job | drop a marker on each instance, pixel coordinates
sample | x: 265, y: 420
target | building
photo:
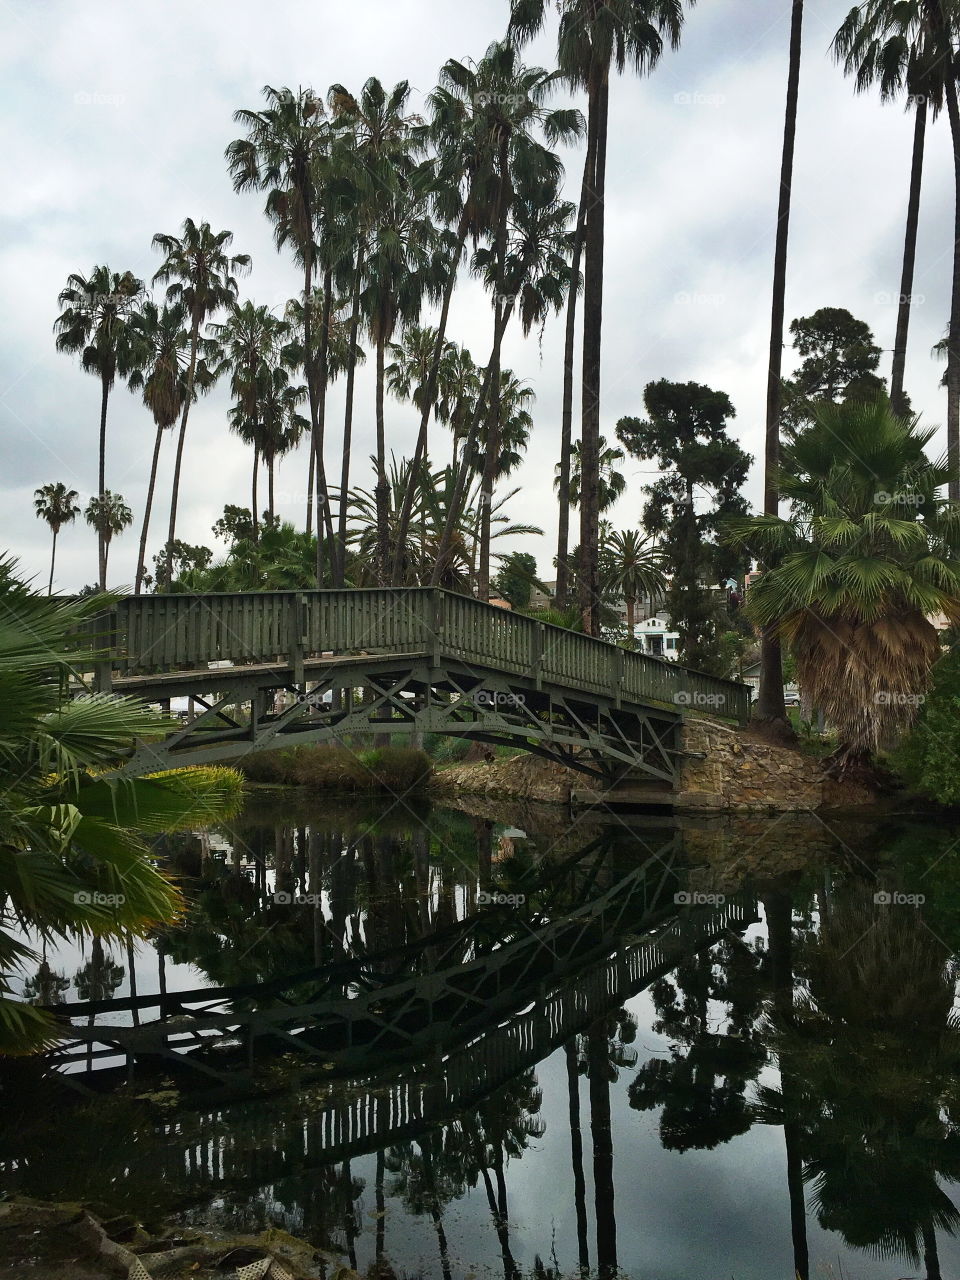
x: 654, y: 637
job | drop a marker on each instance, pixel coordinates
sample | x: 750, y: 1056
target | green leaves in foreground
x: 73, y: 860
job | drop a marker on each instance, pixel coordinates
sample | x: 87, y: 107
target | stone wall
x: 726, y: 770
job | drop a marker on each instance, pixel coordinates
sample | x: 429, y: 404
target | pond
x: 446, y: 1044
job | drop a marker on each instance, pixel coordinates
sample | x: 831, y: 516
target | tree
x: 72, y: 855
x: 287, y: 153
x: 395, y: 240
x: 686, y: 433
x: 596, y: 36
x: 516, y: 578
x: 251, y: 339
x: 840, y: 359
x: 162, y: 353
x: 636, y: 572
x: 201, y: 275
x: 612, y: 481
x: 533, y: 281
x: 56, y: 504
x: 769, y: 709
x: 484, y: 116
x: 932, y: 29
x: 97, y: 324
x: 109, y: 515
x: 876, y: 47
x: 868, y: 555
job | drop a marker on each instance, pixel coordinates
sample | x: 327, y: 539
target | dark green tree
x: 839, y: 363
x: 686, y: 433
x: 517, y: 578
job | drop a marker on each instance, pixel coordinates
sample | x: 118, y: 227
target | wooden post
x: 298, y: 638
x: 436, y: 626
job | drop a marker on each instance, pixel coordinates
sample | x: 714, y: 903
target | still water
x: 441, y: 1044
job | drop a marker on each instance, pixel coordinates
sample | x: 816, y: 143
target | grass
x: 328, y: 768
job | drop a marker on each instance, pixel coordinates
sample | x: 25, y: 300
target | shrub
x: 335, y: 768
x: 929, y: 757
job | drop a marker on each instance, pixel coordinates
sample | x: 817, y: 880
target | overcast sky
x: 117, y: 116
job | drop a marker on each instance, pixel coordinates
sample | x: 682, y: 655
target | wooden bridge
x: 272, y: 669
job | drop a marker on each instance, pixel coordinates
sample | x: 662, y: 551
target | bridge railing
x: 162, y: 633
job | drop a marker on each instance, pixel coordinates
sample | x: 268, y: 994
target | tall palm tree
x: 483, y: 119
x: 878, y: 47
x: 56, y: 504
x: 595, y: 37
x: 109, y: 515
x: 926, y: 34
x: 199, y: 273
x: 612, y: 481
x: 251, y: 339
x: 281, y: 427
x: 287, y: 153
x: 869, y: 554
x: 97, y: 324
x: 770, y: 709
x: 635, y: 572
x: 376, y: 150
x: 163, y: 356
x: 533, y: 274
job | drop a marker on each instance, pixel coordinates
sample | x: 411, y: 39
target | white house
x: 654, y: 637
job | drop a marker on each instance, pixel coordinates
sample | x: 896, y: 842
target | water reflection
x: 444, y: 1043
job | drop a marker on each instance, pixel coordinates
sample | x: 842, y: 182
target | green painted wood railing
x: 156, y: 634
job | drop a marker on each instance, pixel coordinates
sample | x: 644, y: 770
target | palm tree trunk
x: 382, y: 489
x: 770, y: 707
x: 566, y: 416
x: 897, y: 398
x: 308, y: 523
x: 588, y: 569
x: 430, y: 393
x: 944, y: 38
x: 340, y: 553
x: 101, y: 553
x: 489, y: 478
x: 53, y: 561
x: 469, y: 445
x: 151, y: 485
x: 576, y: 1155
x: 777, y: 908
x: 492, y: 451
x: 175, y: 494
x: 271, y: 462
x: 631, y: 617
x: 600, y: 1128
x: 322, y: 493
x: 931, y: 1255
x: 253, y: 495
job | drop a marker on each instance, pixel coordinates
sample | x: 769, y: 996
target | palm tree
x: 109, y: 515
x: 874, y: 45
x: 163, y: 347
x: 534, y: 275
x: 287, y: 153
x: 389, y: 220
x: 56, y: 504
x: 612, y: 481
x: 281, y: 427
x: 76, y: 839
x: 201, y: 275
x: 482, y: 121
x: 868, y: 555
x: 596, y: 36
x: 97, y: 324
x: 251, y: 339
x: 636, y: 571
x: 918, y: 38
x: 770, y: 709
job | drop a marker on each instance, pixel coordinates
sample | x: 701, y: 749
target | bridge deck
x: 173, y: 635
